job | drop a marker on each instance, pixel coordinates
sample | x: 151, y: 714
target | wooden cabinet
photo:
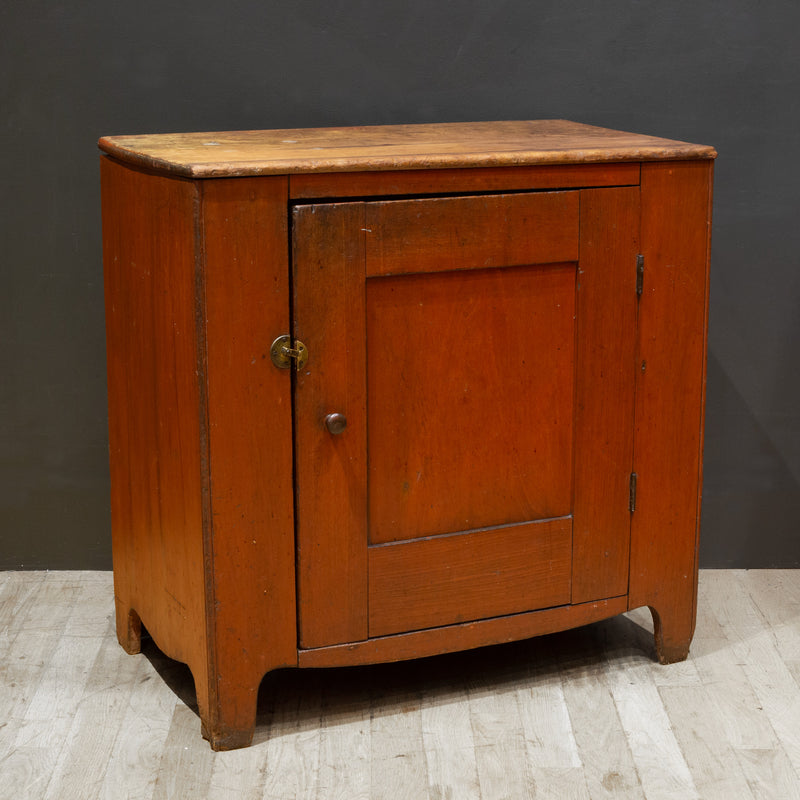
x: 490, y: 421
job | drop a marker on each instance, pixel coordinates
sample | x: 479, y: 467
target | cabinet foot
x: 129, y: 628
x: 228, y: 716
x: 228, y: 740
x: 673, y: 634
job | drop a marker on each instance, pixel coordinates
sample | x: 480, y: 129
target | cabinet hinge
x: 632, y: 495
x: 639, y: 274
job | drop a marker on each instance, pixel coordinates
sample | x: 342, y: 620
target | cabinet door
x: 481, y: 351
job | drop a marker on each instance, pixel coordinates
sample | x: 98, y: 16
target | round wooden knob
x: 335, y: 423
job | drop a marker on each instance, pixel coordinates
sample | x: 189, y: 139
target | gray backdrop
x: 720, y: 72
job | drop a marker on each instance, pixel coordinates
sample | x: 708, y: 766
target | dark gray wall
x: 721, y: 72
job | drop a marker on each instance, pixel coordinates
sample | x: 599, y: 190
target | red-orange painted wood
x: 449, y: 579
x: 605, y: 390
x: 440, y: 181
x: 676, y: 214
x: 331, y: 469
x: 470, y: 398
x: 245, y: 286
x: 154, y: 414
x: 432, y: 235
x: 448, y: 639
x: 490, y: 357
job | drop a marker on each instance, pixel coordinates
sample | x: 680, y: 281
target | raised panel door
x: 458, y: 337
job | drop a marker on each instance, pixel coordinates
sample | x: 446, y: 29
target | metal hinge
x: 632, y: 495
x: 639, y: 274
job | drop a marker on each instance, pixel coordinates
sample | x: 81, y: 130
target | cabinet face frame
x: 204, y: 551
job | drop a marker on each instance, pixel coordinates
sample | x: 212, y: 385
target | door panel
x: 482, y: 350
x: 450, y: 355
x: 471, y: 232
x: 451, y: 579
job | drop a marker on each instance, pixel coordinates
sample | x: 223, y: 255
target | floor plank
x: 449, y: 743
x: 289, y: 730
x: 608, y: 766
x: 550, y: 743
x: 753, y: 644
x: 133, y: 765
x: 631, y: 675
x: 187, y: 763
x: 344, y: 768
x: 504, y: 769
x: 81, y: 768
x: 699, y: 730
x: 583, y: 714
x: 398, y: 766
x: 238, y: 775
x: 770, y: 774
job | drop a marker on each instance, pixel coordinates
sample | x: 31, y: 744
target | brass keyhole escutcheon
x: 283, y: 354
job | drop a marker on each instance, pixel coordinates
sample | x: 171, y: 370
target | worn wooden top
x: 391, y: 147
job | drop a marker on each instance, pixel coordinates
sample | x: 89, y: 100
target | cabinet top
x: 392, y: 147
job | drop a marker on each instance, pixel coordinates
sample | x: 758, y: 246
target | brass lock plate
x: 283, y: 355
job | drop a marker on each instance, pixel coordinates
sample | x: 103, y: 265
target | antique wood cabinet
x: 377, y: 393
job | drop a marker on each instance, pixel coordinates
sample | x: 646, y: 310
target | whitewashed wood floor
x: 583, y: 714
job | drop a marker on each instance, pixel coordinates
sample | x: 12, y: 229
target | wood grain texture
x: 602, y: 747
x: 34, y: 632
x: 232, y: 776
x: 554, y: 694
x: 181, y: 772
x: 34, y: 615
x: 446, y: 580
x: 650, y: 735
x: 251, y: 602
x: 470, y: 386
x: 543, y: 707
x: 465, y: 181
x: 397, y: 755
x: 605, y: 375
x: 767, y: 672
x: 433, y: 235
x: 135, y: 760
x: 471, y: 342
x: 96, y: 721
x: 331, y: 470
x: 290, y: 735
x: 449, y: 743
x: 500, y: 742
x: 392, y: 147
x: 154, y: 394
x: 450, y: 638
x: 673, y: 312
x: 712, y: 760
x: 344, y: 748
x: 60, y: 651
x: 726, y: 681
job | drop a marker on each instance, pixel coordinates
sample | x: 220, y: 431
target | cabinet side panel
x: 676, y: 211
x: 246, y: 290
x: 154, y: 419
